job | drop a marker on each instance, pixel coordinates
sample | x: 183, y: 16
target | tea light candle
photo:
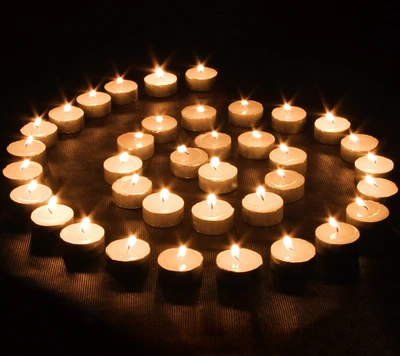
x: 212, y: 216
x: 288, y: 119
x: 245, y: 113
x: 138, y: 144
x: 82, y: 240
x: 30, y: 196
x: 185, y: 161
x: 378, y: 189
x: 292, y: 158
x: 336, y: 239
x: 122, y: 91
x: 291, y: 255
x: 331, y: 129
x: 41, y: 130
x: 164, y: 128
x: 160, y: 84
x: 218, y: 177
x: 180, y: 265
x: 94, y: 104
x: 121, y: 165
x: 255, y: 144
x: 68, y: 118
x: 354, y: 146
x: 215, y: 143
x: 374, y: 165
x: 28, y: 148
x: 22, y: 172
x: 262, y: 208
x: 128, y: 192
x: 198, y: 117
x: 288, y: 184
x: 163, y: 209
x: 201, y: 78
x: 365, y: 214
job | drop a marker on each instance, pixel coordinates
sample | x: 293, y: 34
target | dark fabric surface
x: 50, y: 307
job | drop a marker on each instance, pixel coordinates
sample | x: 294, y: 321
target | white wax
x: 294, y: 158
x: 351, y: 150
x: 380, y: 191
x: 52, y: 219
x: 290, y: 188
x: 46, y: 131
x: 362, y: 217
x: 163, y: 86
x: 262, y: 211
x: 17, y: 174
x: 95, y: 106
x: 114, y: 168
x: 129, y: 195
x: 329, y: 240
x: 201, y: 80
x: 169, y: 260
x: 248, y: 260
x: 214, y: 220
x: 246, y: 113
x: 223, y: 179
x: 218, y: 145
x: 157, y: 213
x: 35, y: 151
x: 380, y: 167
x: 195, y: 120
x: 331, y: 132
x: 30, y: 200
x: 122, y: 92
x: 164, y: 128
x: 121, y: 251
x: 288, y: 121
x: 255, y: 144
x: 186, y: 165
x: 67, y: 121
x: 142, y: 147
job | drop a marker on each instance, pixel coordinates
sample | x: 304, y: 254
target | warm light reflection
x: 372, y: 157
x: 235, y: 252
x: 288, y: 242
x: 200, y: 108
x: 181, y: 252
x: 244, y: 103
x: 354, y: 138
x: 29, y: 140
x: 24, y: 164
x: 200, y: 68
x: 214, y: 162
x: 261, y: 192
x: 135, y: 178
x: 124, y: 157
x: 211, y: 200
x: 67, y: 108
x: 120, y: 80
x: 32, y: 186
x: 361, y: 202
x: 214, y: 134
x: 256, y: 134
x: 138, y: 135
x: 281, y: 172
x: 37, y: 122
x: 330, y: 117
x: 182, y: 149
x: 287, y: 107
x: 371, y: 180
x: 92, y: 93
x: 284, y: 148
x: 85, y: 224
x: 159, y: 72
x: 51, y: 205
x: 159, y: 118
x: 131, y: 242
x: 164, y: 194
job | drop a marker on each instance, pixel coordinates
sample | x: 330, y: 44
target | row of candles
x: 205, y: 162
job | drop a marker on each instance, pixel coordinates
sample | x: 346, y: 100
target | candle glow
x: 159, y: 72
x: 164, y: 194
x: 361, y: 202
x: 330, y: 117
x: 372, y: 157
x: 281, y: 173
x: 67, y: 108
x: 159, y: 118
x: 256, y: 134
x: 214, y: 162
x: 200, y: 68
x: 135, y: 178
x: 261, y: 192
x: 32, y: 186
x: 214, y: 134
x: 182, y: 149
x: 288, y: 243
x: 123, y: 157
x: 235, y: 253
x: 181, y: 255
x: 24, y: 164
x: 370, y: 180
x: 335, y: 225
x: 131, y: 242
x: 51, y: 205
x: 119, y: 80
x: 284, y: 148
x: 200, y: 108
x: 37, y: 122
x: 29, y: 140
x: 92, y: 93
x: 85, y: 224
x: 354, y: 138
x: 211, y: 200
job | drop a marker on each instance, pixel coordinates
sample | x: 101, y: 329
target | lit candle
x: 121, y: 165
x: 41, y: 130
x: 30, y: 196
x: 138, y: 144
x: 68, y: 118
x: 285, y: 157
x: 94, y: 104
x: 330, y: 129
x: 160, y: 84
x: 378, y: 189
x: 22, y: 172
x: 291, y: 255
x: 164, y: 128
x: 198, y: 117
x: 245, y: 113
x: 212, y: 216
x: 163, y: 209
x: 262, y: 208
x: 185, y: 161
x: 288, y: 119
x: 215, y: 143
x: 354, y: 146
x: 82, y: 240
x: 255, y: 144
x: 201, y: 78
x: 336, y: 239
x: 28, y: 148
x: 374, y: 165
x: 122, y: 91
x: 218, y: 177
x: 365, y: 214
x: 288, y: 184
x: 128, y: 191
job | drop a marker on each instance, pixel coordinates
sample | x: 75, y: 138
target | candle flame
x: 334, y: 223
x: 214, y: 134
x: 159, y: 118
x: 67, y: 107
x: 287, y: 107
x: 214, y: 162
x: 371, y: 180
x: 261, y: 192
x: 120, y: 80
x: 181, y: 252
x: 200, y: 68
x: 138, y: 135
x: 256, y: 134
x: 354, y: 138
x: 284, y: 148
x: 24, y: 164
x: 135, y: 178
x: 131, y: 241
x: 159, y: 72
x: 235, y: 252
x: 288, y: 242
x: 37, y: 122
x: 85, y: 224
x: 330, y: 117
x: 361, y: 202
x: 51, y: 205
x: 182, y: 149
x: 164, y: 194
x: 32, y: 186
x: 124, y: 157
x: 372, y: 157
x: 200, y: 108
x: 29, y: 140
x: 92, y: 93
x: 211, y: 200
x: 281, y: 173
x: 244, y: 103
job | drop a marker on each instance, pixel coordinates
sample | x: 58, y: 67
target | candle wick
x: 187, y: 152
x: 337, y: 229
x: 82, y: 230
x: 48, y: 208
x: 26, y: 144
x: 211, y: 206
x: 262, y: 198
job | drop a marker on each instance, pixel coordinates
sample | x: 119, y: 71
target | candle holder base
x: 132, y: 276
x: 232, y: 279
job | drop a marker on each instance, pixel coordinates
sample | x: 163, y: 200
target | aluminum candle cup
x: 186, y: 161
x: 160, y: 84
x: 373, y: 165
x: 366, y: 214
x: 121, y: 165
x: 22, y: 172
x: 95, y: 104
x: 245, y: 113
x: 68, y: 118
x: 30, y: 196
x: 288, y: 119
x: 137, y: 144
x: 377, y: 189
x: 122, y: 91
x: 355, y: 146
x: 41, y: 130
x: 198, y: 117
x: 255, y: 144
x: 29, y: 148
x: 292, y: 158
x: 330, y: 129
x: 218, y: 177
x: 164, y: 128
x: 214, y: 143
x: 288, y: 184
x: 128, y: 192
x: 200, y: 78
